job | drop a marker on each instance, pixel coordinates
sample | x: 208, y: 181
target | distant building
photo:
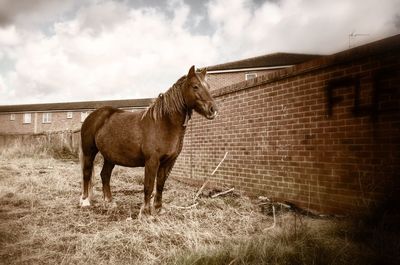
x: 38, y: 118
x: 226, y: 74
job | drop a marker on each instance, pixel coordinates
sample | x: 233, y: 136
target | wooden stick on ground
x: 222, y: 193
x: 206, y: 181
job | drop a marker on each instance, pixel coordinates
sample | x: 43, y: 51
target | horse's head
x: 197, y: 95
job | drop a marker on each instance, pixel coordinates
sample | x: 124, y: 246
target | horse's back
x: 92, y: 124
x: 116, y: 134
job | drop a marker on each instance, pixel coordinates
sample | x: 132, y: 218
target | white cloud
x: 135, y: 53
x: 2, y: 86
x: 8, y: 36
x: 106, y: 49
x: 298, y: 25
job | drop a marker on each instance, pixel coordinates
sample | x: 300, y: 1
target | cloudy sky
x: 57, y: 51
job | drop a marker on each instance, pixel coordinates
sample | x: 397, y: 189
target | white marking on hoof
x: 84, y: 202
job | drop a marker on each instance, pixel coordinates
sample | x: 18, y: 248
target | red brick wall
x: 17, y: 125
x: 289, y: 138
x: 59, y: 122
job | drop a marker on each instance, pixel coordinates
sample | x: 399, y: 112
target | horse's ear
x: 204, y: 72
x: 191, y: 72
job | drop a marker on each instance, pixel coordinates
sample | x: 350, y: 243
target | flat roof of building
x: 82, y: 105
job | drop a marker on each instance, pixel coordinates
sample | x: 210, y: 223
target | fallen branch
x: 284, y: 205
x: 206, y: 181
x: 200, y: 190
x: 263, y: 203
x: 222, y: 193
x: 226, y: 153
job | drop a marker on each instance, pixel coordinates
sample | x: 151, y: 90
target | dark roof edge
x: 79, y: 105
x: 295, y: 57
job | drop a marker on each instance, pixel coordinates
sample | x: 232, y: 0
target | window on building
x: 69, y: 115
x: 27, y: 118
x: 250, y: 76
x: 12, y: 117
x: 46, y: 117
x: 84, y: 114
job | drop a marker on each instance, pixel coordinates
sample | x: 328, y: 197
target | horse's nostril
x: 213, y: 109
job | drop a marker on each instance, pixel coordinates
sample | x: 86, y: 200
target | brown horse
x: 152, y: 138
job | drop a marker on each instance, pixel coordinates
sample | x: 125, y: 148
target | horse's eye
x: 196, y: 87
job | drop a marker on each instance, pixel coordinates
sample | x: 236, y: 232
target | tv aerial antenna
x: 354, y: 35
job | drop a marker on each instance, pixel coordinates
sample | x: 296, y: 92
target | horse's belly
x: 134, y: 162
x: 124, y: 158
x: 128, y: 154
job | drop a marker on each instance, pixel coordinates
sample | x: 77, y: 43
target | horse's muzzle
x: 212, y: 112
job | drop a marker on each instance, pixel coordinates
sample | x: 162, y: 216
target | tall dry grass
x: 41, y: 223
x: 36, y: 148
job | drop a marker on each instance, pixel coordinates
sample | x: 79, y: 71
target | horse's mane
x: 168, y: 102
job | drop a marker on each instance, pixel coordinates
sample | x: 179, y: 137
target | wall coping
x: 374, y: 48
x: 76, y: 106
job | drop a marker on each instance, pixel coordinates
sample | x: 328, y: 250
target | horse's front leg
x: 162, y: 176
x: 150, y: 173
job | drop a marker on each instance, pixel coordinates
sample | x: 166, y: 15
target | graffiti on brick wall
x: 379, y: 93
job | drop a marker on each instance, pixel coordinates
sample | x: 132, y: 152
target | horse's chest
x: 174, y: 146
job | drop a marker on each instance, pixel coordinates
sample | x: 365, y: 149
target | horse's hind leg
x: 105, y: 178
x: 87, y: 169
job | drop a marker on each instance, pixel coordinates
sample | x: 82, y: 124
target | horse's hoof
x: 84, y: 202
x: 160, y: 211
x: 110, y: 205
x: 145, y: 213
x: 145, y: 217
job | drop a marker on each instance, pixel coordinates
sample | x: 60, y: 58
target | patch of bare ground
x: 41, y: 223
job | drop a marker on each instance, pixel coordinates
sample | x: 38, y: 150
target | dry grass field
x: 41, y: 223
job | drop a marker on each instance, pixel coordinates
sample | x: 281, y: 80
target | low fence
x: 69, y: 140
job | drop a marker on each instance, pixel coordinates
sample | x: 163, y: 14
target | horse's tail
x: 81, y: 160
